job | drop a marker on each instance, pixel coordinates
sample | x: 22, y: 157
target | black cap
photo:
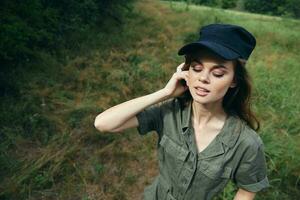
x: 227, y: 40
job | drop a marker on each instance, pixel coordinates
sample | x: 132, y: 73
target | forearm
x: 244, y: 195
x: 119, y: 114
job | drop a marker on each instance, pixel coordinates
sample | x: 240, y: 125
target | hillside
x: 51, y: 150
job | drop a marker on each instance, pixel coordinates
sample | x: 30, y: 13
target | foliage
x: 228, y: 4
x: 28, y: 27
x: 214, y: 3
x: 49, y: 148
x: 289, y: 8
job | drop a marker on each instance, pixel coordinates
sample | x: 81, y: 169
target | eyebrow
x: 218, y: 65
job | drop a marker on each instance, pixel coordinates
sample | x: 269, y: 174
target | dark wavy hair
x: 237, y: 100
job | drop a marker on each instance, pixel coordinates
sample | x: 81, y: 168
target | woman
x: 207, y: 132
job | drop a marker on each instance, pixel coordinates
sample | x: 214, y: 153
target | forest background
x: 63, y: 62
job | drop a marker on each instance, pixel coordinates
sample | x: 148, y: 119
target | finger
x: 186, y: 76
x: 178, y: 69
x: 184, y: 73
x: 181, y: 75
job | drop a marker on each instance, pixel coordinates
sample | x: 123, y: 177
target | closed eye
x: 218, y: 75
x: 199, y: 70
x: 196, y: 69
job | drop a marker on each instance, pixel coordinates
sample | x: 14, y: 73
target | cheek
x: 191, y: 79
x: 221, y: 86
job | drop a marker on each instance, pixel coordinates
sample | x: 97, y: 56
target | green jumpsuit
x: 236, y: 153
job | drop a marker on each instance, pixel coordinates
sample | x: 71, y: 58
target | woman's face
x: 210, y: 77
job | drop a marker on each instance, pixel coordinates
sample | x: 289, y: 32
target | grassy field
x: 50, y: 149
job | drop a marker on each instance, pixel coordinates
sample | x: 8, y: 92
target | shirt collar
x: 229, y: 133
x: 186, y: 116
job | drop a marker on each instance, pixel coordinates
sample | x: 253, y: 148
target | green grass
x: 50, y: 149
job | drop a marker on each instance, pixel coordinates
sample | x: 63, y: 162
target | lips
x: 201, y: 89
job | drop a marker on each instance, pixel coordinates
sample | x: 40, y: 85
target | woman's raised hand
x: 174, y: 87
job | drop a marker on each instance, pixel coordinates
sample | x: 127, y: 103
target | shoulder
x: 171, y: 105
x: 249, y: 138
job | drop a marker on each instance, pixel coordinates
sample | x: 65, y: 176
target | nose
x: 204, y: 77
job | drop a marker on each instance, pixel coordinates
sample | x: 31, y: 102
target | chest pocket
x: 215, y: 176
x: 214, y: 171
x: 171, y: 156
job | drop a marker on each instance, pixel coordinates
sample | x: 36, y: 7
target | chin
x: 201, y: 101
x: 204, y: 100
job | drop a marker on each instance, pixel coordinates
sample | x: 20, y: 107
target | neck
x: 205, y: 113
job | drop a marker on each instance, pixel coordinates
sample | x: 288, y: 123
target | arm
x: 251, y: 173
x: 244, y: 195
x: 122, y: 116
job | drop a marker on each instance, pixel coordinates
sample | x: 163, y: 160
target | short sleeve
x: 151, y: 118
x: 251, y: 173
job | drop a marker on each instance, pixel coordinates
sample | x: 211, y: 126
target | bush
x: 289, y: 8
x: 229, y: 4
x: 28, y: 27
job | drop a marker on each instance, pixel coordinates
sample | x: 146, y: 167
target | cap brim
x: 220, y: 50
